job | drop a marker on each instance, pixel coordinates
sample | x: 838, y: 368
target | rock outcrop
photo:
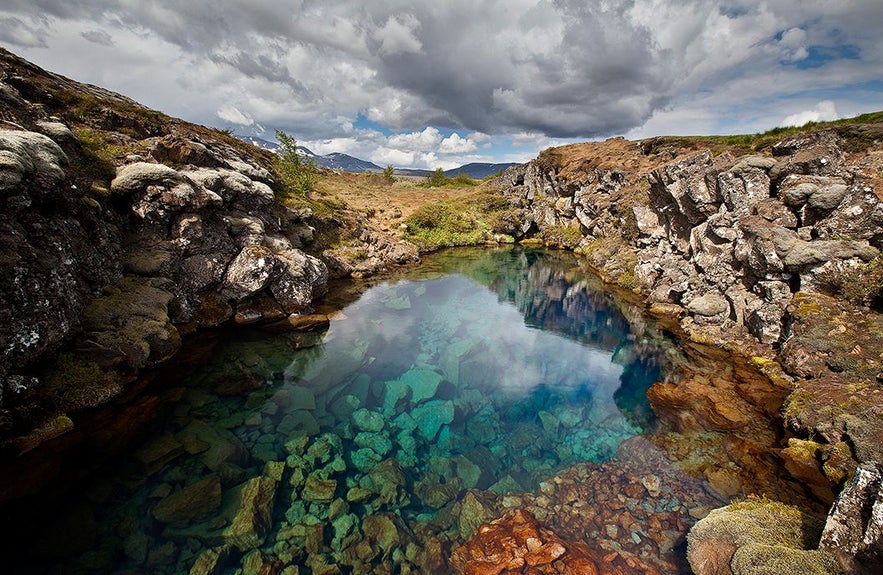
x: 747, y: 253
x: 124, y: 230
x: 854, y: 529
x: 164, y: 252
x: 727, y: 240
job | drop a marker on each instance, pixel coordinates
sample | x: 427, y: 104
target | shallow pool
x: 352, y: 449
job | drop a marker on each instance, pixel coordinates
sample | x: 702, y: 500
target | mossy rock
x: 760, y: 559
x: 129, y: 326
x: 757, y: 536
x: 74, y: 384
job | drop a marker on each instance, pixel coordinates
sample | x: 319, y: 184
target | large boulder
x: 29, y: 159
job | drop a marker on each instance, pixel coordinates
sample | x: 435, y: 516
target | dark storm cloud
x: 558, y: 67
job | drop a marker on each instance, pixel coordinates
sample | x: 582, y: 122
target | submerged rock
x: 253, y: 504
x: 475, y: 508
x: 318, y: 489
x: 217, y: 446
x: 191, y: 503
x: 517, y: 543
x: 431, y: 416
x: 367, y: 420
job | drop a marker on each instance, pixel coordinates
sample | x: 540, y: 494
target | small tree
x: 298, y: 175
x: 389, y: 172
x: 437, y: 179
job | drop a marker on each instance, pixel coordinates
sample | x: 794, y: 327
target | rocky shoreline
x: 124, y: 230
x: 744, y: 252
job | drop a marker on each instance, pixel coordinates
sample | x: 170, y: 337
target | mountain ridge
x: 348, y: 163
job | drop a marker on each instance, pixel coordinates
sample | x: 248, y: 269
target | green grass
x: 846, y: 127
x: 463, y: 221
x: 566, y: 237
x: 97, y: 161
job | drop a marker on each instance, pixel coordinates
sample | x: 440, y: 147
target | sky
x: 428, y: 84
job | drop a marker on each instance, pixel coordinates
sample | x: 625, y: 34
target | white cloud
x: 348, y: 145
x: 233, y: 115
x: 793, y: 44
x: 383, y: 156
x: 429, y: 161
x: 428, y: 139
x: 824, y: 111
x: 454, y: 144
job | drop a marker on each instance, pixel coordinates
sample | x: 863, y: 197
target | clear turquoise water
x: 479, y: 370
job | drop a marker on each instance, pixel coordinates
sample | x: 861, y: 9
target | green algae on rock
x: 757, y: 536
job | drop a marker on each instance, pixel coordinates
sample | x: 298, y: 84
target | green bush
x: 297, y: 175
x: 438, y: 179
x: 464, y: 221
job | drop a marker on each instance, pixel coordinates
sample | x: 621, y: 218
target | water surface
x: 355, y: 446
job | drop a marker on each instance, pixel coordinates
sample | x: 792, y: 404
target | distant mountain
x: 347, y: 163
x: 412, y: 172
x: 335, y: 161
x: 260, y: 142
x: 478, y: 170
x: 475, y: 170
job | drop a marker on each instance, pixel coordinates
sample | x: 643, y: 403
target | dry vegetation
x: 385, y: 203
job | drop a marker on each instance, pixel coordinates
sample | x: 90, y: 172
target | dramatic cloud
x: 551, y: 68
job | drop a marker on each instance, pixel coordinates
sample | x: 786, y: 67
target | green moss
x: 562, y: 236
x: 613, y: 258
x: 132, y: 320
x: 839, y: 464
x: 73, y: 384
x: 798, y: 403
x: 758, y: 519
x: 145, y: 262
x: 626, y: 280
x: 97, y: 158
x: 762, y: 559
